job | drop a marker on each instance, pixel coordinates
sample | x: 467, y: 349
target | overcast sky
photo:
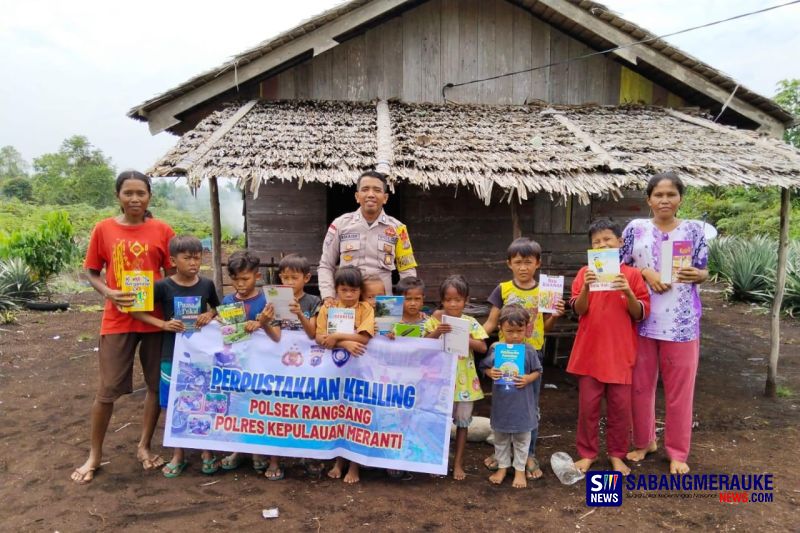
x: 77, y: 67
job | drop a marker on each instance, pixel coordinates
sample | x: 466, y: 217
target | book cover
x: 675, y: 255
x: 280, y: 296
x: 457, y: 341
x: 140, y: 283
x: 187, y: 309
x: 551, y: 290
x: 407, y: 330
x: 604, y: 263
x: 232, y: 317
x: 510, y: 360
x: 388, y: 312
x: 341, y: 320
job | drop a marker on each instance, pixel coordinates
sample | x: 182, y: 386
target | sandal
x: 491, y: 463
x: 174, y: 470
x: 231, y: 462
x: 274, y: 474
x: 260, y: 465
x: 314, y: 468
x: 531, y: 466
x: 394, y: 474
x: 210, y: 465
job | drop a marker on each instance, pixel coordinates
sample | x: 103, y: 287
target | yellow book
x: 140, y: 283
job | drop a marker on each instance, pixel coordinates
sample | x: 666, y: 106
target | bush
x: 749, y: 267
x: 16, y: 283
x: 19, y: 188
x: 47, y: 250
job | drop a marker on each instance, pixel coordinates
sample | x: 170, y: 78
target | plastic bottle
x: 564, y: 468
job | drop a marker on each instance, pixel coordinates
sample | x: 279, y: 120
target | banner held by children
x: 389, y: 408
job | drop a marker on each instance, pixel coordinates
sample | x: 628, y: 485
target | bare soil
x: 47, y: 382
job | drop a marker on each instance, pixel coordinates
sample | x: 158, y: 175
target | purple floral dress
x: 675, y: 314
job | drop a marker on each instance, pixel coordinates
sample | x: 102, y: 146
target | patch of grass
x: 90, y: 308
x: 783, y: 391
x: 68, y: 283
x: 8, y: 317
x: 83, y: 337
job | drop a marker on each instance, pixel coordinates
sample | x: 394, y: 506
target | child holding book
x: 514, y: 409
x: 604, y: 352
x: 184, y: 297
x: 412, y: 289
x: 243, y: 270
x: 295, y: 272
x: 347, y: 282
x: 523, y: 258
x: 454, y: 294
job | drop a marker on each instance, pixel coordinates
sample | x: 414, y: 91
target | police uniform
x: 376, y: 248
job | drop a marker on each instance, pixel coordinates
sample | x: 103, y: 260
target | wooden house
x: 419, y: 89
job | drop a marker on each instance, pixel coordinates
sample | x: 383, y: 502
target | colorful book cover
x: 407, y: 330
x: 388, y: 312
x: 187, y: 309
x: 510, y: 359
x: 457, y: 341
x: 140, y: 283
x: 551, y: 290
x: 232, y: 317
x: 280, y: 296
x: 675, y: 255
x: 604, y: 263
x: 341, y: 320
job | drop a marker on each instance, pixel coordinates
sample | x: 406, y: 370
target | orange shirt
x: 605, y: 345
x: 118, y: 247
x: 364, y: 322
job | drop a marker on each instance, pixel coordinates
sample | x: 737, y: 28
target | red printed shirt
x: 118, y: 247
x: 605, y: 346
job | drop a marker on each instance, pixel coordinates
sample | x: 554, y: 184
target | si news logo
x: 604, y: 489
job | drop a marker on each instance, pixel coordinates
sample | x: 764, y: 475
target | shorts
x: 163, y: 384
x: 462, y: 414
x: 115, y: 360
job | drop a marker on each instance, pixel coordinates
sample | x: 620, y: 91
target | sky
x: 77, y: 67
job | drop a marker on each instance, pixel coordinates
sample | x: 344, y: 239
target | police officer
x: 368, y: 239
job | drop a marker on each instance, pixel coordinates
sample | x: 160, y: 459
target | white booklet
x: 280, y: 296
x: 341, y: 320
x: 457, y: 341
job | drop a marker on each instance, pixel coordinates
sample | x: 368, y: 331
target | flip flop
x: 277, y: 474
x: 83, y: 480
x: 260, y: 465
x: 491, y: 464
x: 394, y: 474
x: 210, y: 465
x: 155, y: 462
x: 529, y: 470
x: 314, y: 468
x: 174, y: 470
x: 232, y: 464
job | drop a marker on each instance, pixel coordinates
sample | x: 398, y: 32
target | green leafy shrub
x: 16, y: 281
x: 47, y: 250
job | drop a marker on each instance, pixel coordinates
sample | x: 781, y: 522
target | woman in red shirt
x: 131, y: 241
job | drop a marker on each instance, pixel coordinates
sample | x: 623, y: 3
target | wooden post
x: 216, y: 235
x: 516, y: 228
x: 780, y: 283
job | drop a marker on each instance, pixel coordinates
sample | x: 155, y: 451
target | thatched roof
x: 563, y: 150
x: 570, y: 26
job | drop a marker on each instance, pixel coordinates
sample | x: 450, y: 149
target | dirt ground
x: 47, y: 381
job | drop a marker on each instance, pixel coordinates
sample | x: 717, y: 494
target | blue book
x: 187, y: 309
x: 510, y: 359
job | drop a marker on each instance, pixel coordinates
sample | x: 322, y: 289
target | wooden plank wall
x: 414, y: 54
x: 285, y: 219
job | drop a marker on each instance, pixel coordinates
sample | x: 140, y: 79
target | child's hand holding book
x: 174, y: 326
x: 203, y: 319
x: 524, y: 380
x: 493, y: 373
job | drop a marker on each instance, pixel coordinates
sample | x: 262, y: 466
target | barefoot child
x: 243, y: 270
x: 347, y: 282
x: 523, y: 258
x: 514, y: 410
x: 605, y: 352
x: 185, y: 254
x: 454, y: 292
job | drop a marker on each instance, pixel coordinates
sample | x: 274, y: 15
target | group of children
x: 602, y: 356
